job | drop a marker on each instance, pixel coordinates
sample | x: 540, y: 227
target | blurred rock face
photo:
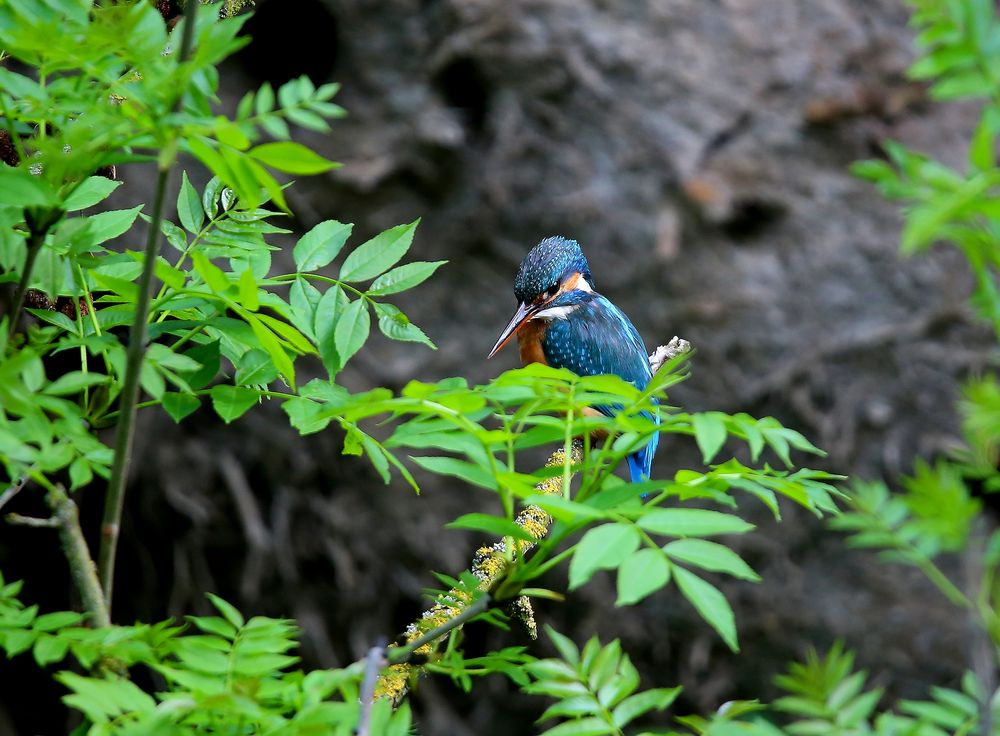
x: 698, y: 151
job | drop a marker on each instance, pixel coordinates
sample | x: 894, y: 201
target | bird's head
x: 552, y: 270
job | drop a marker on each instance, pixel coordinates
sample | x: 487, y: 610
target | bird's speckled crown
x: 546, y: 264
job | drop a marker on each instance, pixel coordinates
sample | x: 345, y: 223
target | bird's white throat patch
x: 557, y: 312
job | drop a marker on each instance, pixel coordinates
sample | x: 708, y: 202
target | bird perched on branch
x: 562, y: 321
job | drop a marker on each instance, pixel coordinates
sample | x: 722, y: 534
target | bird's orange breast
x: 529, y: 343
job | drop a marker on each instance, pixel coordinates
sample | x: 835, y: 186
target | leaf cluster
x: 596, y: 688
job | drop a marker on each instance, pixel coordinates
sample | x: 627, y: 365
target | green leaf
x: 255, y: 367
x: 711, y: 556
x: 179, y: 405
x: 709, y: 432
x: 80, y: 473
x: 352, y: 330
x: 107, y: 225
x: 633, y: 707
x: 92, y: 190
x: 214, y: 625
x: 50, y: 272
x: 304, y: 298
x: 319, y: 246
x: 227, y: 610
x: 19, y: 188
x: 404, y: 277
x: 102, y: 699
x: 232, y: 402
x: 383, y: 251
x: 562, y: 509
x: 403, y: 331
x: 74, y: 383
x: 208, y: 356
x: 247, y: 287
x: 304, y: 415
x: 56, y: 620
x: 172, y: 277
x: 189, y: 208
x: 710, y: 603
x: 265, y: 100
x: 466, y: 471
x: 491, y: 525
x: 692, y: 523
x: 642, y: 573
x: 290, y: 157
x: 603, y: 547
x: 213, y: 276
x: 582, y: 727
x: 49, y: 649
x: 273, y: 346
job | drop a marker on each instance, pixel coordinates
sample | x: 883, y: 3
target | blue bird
x: 562, y: 321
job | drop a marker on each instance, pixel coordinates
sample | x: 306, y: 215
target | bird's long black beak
x: 523, y: 314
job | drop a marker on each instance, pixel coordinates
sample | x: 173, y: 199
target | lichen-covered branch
x: 489, y: 566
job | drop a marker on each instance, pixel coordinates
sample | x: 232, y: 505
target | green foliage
x: 596, y: 689
x: 226, y: 331
x: 937, y: 513
x: 216, y: 669
x: 828, y: 696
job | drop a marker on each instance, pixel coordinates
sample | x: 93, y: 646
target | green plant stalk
x: 115, y: 498
x: 941, y: 581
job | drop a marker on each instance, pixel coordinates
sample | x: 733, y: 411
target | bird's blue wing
x: 597, y: 338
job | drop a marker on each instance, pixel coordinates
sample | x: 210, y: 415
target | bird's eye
x: 552, y: 291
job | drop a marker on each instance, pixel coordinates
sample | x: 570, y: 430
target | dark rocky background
x: 698, y: 150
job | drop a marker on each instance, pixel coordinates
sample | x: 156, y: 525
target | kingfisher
x: 562, y: 321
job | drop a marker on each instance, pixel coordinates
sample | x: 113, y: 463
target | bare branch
x: 374, y: 663
x: 33, y: 521
x: 12, y: 490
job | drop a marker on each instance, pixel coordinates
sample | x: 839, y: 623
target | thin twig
x: 66, y: 519
x: 12, y: 490
x: 115, y: 498
x: 374, y: 663
x: 18, y: 520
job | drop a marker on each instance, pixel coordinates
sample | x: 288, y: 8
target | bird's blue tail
x: 640, y: 463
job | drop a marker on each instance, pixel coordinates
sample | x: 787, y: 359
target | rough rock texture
x: 698, y: 151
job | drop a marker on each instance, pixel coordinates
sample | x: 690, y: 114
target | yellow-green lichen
x: 489, y: 566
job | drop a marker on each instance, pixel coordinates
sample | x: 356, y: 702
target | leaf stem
x: 115, y: 498
x: 325, y: 279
